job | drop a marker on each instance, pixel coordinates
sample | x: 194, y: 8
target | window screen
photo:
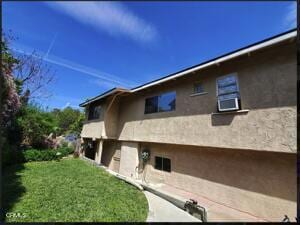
x: 162, y: 163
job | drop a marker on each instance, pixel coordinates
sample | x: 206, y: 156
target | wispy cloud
x: 112, y: 17
x: 100, y: 75
x: 289, y: 20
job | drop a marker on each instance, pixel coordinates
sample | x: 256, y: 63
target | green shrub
x: 65, y: 150
x: 46, y: 155
x: 41, y: 155
x: 36, y: 123
x: 11, y: 156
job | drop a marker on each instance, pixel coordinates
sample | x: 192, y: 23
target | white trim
x: 223, y: 59
x: 231, y: 112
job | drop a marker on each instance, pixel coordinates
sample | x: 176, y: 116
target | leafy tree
x: 25, y: 78
x: 69, y: 119
x: 36, y: 124
x: 77, y: 125
x: 10, y: 100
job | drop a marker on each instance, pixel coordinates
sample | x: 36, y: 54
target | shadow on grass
x: 12, y: 188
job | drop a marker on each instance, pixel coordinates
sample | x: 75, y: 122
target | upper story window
x: 161, y: 103
x: 228, y: 93
x: 198, y: 88
x: 94, y: 112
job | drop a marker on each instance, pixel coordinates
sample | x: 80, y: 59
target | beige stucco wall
x: 111, y: 117
x: 267, y: 81
x: 107, y: 125
x: 92, y: 129
x: 111, y: 155
x: 129, y: 159
x: 95, y: 128
x: 260, y: 183
x: 99, y: 151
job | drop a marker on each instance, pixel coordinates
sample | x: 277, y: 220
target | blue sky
x: 94, y: 46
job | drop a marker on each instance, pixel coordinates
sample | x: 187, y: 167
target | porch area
x: 104, y: 152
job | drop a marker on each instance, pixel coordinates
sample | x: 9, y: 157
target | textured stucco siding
x: 111, y: 155
x: 92, y: 129
x: 267, y: 82
x: 107, y: 125
x: 111, y: 117
x: 260, y: 183
x: 129, y: 159
x: 268, y: 129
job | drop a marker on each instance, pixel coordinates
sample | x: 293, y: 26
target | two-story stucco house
x: 224, y: 129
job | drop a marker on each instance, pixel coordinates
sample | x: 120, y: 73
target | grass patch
x: 70, y: 190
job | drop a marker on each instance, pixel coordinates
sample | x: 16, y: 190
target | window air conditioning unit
x: 228, y: 104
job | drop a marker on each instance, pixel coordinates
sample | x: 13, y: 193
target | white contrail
x: 51, y: 45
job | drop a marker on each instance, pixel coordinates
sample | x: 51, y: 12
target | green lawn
x: 69, y: 190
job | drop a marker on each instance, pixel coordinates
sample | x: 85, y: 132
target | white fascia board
x: 223, y: 59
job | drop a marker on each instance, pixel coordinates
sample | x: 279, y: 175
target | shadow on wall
x: 109, y: 149
x: 268, y: 173
x: 222, y: 120
x: 12, y: 188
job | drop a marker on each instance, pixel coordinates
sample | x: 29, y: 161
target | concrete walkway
x: 216, y: 211
x: 161, y: 210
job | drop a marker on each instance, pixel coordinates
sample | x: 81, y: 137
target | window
x: 162, y: 164
x: 166, y: 102
x: 162, y: 103
x: 198, y: 88
x: 228, y: 92
x: 94, y: 112
x: 151, y: 105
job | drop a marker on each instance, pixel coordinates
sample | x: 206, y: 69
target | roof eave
x: 103, y: 95
x: 226, y: 57
x: 216, y: 61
